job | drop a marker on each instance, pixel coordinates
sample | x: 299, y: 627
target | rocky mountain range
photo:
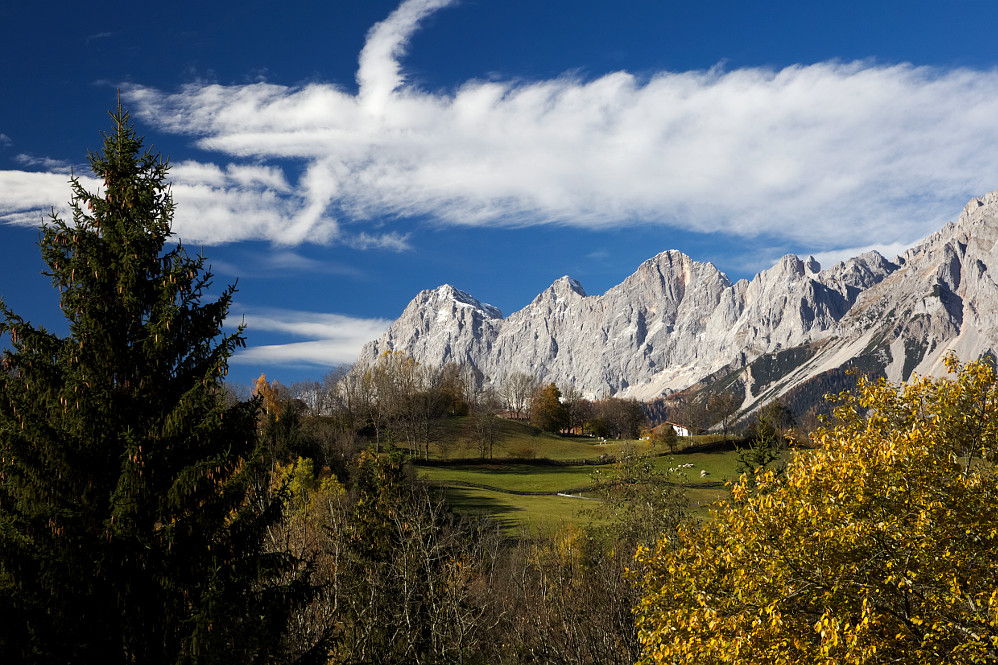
x: 677, y: 323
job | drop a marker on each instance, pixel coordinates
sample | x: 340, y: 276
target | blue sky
x: 337, y: 158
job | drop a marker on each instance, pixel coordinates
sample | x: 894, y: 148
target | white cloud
x: 5, y: 140
x: 27, y: 198
x: 46, y: 163
x: 280, y: 263
x: 239, y: 202
x: 396, y: 242
x: 379, y: 73
x: 823, y: 156
x: 319, y: 353
x: 334, y: 339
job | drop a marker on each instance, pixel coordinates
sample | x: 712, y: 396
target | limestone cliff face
x: 676, y: 321
x: 792, y: 304
x: 943, y: 297
x: 439, y: 326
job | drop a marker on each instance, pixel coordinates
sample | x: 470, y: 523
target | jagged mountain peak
x: 792, y: 263
x: 989, y: 200
x: 674, y: 261
x: 668, y: 274
x: 448, y: 295
x: 567, y: 286
x: 563, y: 293
x: 860, y: 271
x: 790, y: 266
x: 675, y: 321
x: 572, y: 285
x: 668, y: 256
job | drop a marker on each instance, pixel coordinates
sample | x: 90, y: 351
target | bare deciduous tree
x: 518, y: 390
x: 723, y: 408
x: 485, y: 422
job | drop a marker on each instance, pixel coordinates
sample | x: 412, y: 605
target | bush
x: 523, y: 452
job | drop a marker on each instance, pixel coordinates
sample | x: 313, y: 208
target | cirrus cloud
x: 334, y: 339
x: 826, y: 155
x: 27, y: 198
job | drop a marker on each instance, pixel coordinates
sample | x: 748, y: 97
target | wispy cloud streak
x: 828, y: 155
x: 332, y: 339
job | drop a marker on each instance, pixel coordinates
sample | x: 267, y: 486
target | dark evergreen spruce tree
x: 129, y: 531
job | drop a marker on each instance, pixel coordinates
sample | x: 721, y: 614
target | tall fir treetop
x: 129, y: 528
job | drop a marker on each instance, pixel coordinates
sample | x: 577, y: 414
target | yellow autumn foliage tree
x: 270, y: 393
x: 879, y: 547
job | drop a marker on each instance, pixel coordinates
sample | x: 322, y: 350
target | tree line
x: 397, y: 395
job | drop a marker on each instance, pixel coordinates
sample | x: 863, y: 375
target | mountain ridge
x: 675, y: 321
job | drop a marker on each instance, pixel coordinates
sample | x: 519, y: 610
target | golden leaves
x: 876, y: 547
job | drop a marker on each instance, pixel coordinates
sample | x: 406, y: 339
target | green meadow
x: 523, y: 484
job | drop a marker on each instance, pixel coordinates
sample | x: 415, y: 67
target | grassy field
x: 453, y: 440
x: 519, y: 513
x: 520, y: 491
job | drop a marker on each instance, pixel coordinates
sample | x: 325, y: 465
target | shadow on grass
x: 513, y: 469
x: 475, y: 501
